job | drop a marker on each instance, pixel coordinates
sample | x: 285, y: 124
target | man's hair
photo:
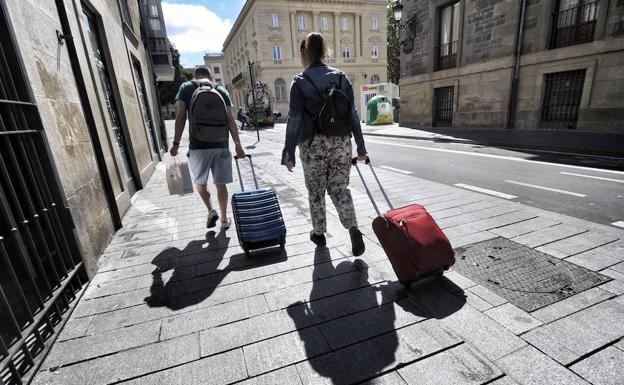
x: 201, y: 72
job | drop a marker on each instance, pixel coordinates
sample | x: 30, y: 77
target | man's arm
x: 180, y: 122
x: 240, y: 153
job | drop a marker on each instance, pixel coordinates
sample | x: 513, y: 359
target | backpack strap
x: 306, y: 77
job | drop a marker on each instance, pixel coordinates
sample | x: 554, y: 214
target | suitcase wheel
x: 282, y: 244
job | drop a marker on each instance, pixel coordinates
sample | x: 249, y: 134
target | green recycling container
x: 379, y: 110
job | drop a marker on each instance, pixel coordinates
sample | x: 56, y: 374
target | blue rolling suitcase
x: 258, y: 217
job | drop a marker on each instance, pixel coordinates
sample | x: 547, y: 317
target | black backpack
x: 333, y: 115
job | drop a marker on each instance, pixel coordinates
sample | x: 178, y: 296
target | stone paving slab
x: 570, y: 338
x: 529, y: 366
x: 322, y: 316
x: 603, y: 368
x: 457, y: 366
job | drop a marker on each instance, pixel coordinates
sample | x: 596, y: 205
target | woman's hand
x: 362, y: 158
x: 287, y: 162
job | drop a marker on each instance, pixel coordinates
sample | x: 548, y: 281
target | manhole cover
x: 525, y: 277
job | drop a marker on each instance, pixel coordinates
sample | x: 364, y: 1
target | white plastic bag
x: 178, y: 176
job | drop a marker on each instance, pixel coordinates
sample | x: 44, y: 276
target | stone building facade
x: 269, y: 32
x: 215, y: 62
x: 468, y: 64
x: 89, y: 67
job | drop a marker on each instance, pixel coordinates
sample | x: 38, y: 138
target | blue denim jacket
x: 304, y: 97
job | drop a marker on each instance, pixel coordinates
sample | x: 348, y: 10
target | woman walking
x: 321, y: 120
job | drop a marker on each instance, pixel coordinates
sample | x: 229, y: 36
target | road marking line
x: 502, y: 157
x: 618, y: 224
x: 547, y: 188
x: 593, y: 177
x: 396, y: 170
x: 485, y: 191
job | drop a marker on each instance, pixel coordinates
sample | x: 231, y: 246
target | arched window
x: 280, y: 90
x: 375, y: 79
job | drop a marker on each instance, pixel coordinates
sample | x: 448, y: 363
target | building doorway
x: 112, y: 105
x: 144, y: 104
x: 562, y: 99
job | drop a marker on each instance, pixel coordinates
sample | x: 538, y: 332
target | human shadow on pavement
x: 358, y: 339
x: 195, y: 270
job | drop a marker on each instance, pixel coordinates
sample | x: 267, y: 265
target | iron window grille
x: 562, y: 99
x: 41, y: 270
x: 574, y: 25
x: 443, y: 99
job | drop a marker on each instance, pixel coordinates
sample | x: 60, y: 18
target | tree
x: 168, y: 90
x: 394, y: 45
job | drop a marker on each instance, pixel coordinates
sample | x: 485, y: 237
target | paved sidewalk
x: 550, y: 140
x: 174, y: 304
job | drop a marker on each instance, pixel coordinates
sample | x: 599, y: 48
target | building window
x: 126, y: 12
x: 562, y: 99
x: 375, y: 52
x: 154, y: 11
x: 375, y: 79
x: 277, y: 54
x: 155, y: 24
x: 346, y: 52
x: 217, y: 70
x: 280, y: 90
x: 574, y: 22
x: 303, y: 23
x: 374, y: 23
x: 446, y: 50
x: 274, y: 21
x: 443, y: 106
x: 324, y: 23
x: 345, y: 23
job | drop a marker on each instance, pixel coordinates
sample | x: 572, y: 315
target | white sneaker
x: 226, y: 225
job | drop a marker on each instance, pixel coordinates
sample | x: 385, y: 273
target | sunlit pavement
x: 175, y: 304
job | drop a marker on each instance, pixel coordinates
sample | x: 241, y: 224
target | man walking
x: 211, y: 119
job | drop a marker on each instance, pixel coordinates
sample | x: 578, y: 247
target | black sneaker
x: 318, y: 239
x: 357, y: 243
x: 212, y: 219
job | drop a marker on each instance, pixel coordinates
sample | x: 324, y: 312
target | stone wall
x: 482, y: 81
x: 51, y: 76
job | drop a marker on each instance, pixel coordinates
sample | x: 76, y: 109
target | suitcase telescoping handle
x: 354, y: 161
x: 253, y: 172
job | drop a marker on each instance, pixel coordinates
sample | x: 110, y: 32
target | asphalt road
x: 586, y: 187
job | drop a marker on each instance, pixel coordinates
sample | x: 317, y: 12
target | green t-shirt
x: 185, y: 94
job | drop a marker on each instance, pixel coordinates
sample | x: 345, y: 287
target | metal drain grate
x: 527, y: 278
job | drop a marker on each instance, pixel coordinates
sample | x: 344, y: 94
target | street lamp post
x: 253, y: 96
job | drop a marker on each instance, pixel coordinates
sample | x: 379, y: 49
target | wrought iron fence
x: 446, y: 56
x: 574, y: 25
x: 562, y: 99
x: 443, y: 99
x: 41, y: 272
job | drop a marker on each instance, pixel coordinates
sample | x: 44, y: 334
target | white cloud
x: 194, y: 28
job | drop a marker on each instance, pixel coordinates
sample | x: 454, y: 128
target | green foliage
x: 168, y: 90
x: 394, y: 45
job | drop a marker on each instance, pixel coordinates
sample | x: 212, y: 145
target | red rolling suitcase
x: 413, y: 242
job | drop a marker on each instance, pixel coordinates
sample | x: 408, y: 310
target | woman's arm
x: 294, y: 123
x: 357, y: 128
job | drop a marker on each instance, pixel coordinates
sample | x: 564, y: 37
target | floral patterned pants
x: 326, y: 165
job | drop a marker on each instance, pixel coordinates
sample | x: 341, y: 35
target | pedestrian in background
x: 209, y: 108
x: 321, y: 121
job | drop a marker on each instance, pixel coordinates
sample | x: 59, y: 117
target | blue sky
x: 199, y: 26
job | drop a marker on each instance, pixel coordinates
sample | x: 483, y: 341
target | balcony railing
x: 446, y: 56
x: 574, y: 25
